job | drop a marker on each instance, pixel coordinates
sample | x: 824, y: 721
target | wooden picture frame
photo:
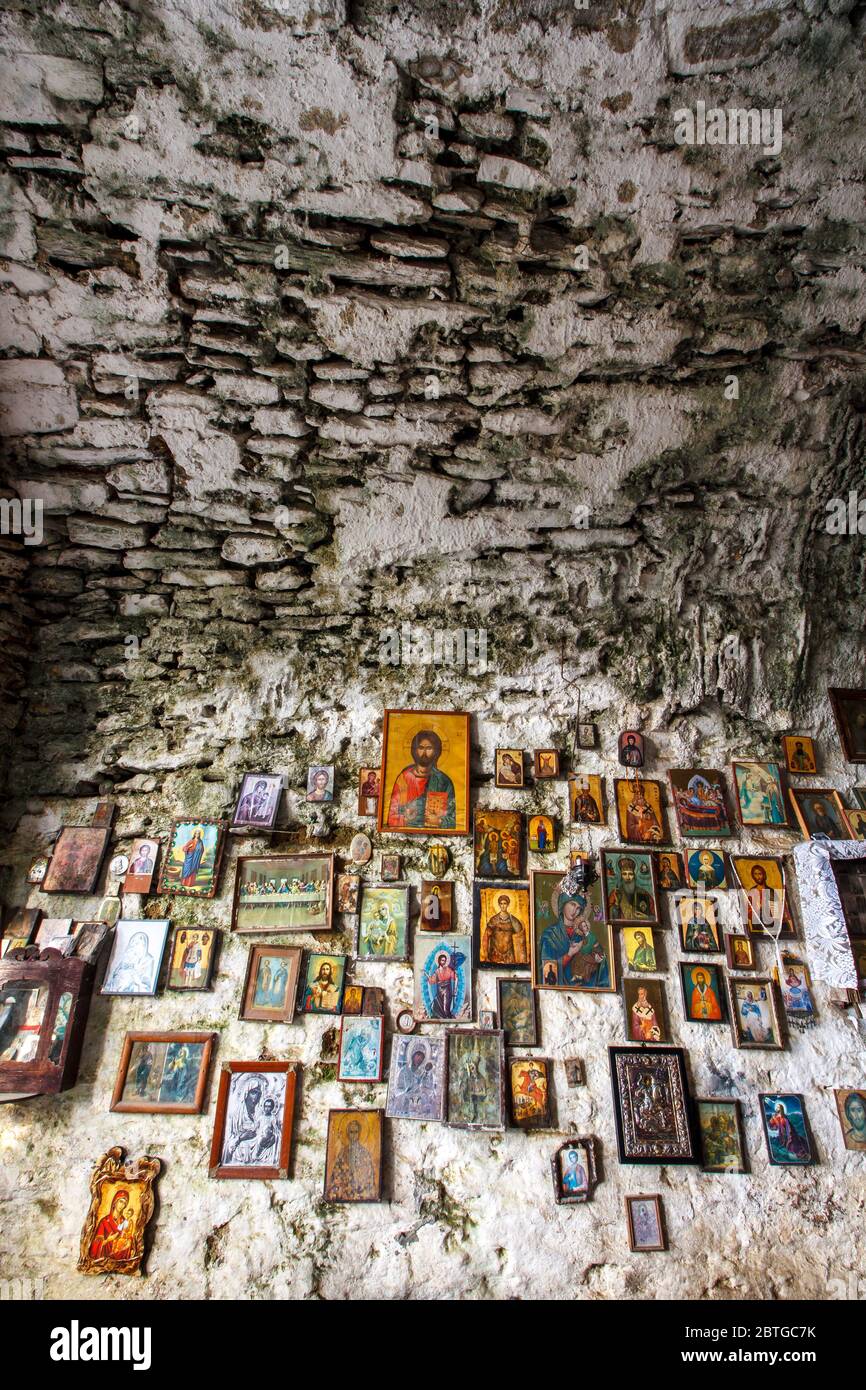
x: 545, y: 764
x: 561, y: 922
x: 497, y: 843
x: 270, y: 984
x: 698, y: 917
x: 354, y: 1156
x: 45, y: 1000
x: 644, y: 1010
x: 757, y: 1027
x: 445, y: 998
x: 759, y: 789
x: 849, y: 705
x: 358, y: 1034
x: 720, y: 1130
x: 258, y: 803
x: 739, y: 951
x: 706, y: 869
x: 283, y: 893
x: 703, y: 1001
x: 700, y: 803
x: 501, y: 925
x: 786, y: 1129
x: 476, y: 1100
x: 143, y: 864
x: 807, y: 800
x: 517, y: 1010
x: 670, y: 870
x: 508, y: 769
x: 77, y: 859
x: 625, y: 906
x: 587, y: 804
x: 530, y: 1097
x: 192, y: 859
x: 796, y: 990
x: 851, y: 1108
x: 757, y: 875
x: 192, y: 958
x: 120, y: 1193
x: 652, y: 1105
x: 639, y: 949
x: 799, y: 754
x: 369, y: 782
x: 631, y: 749
x: 436, y: 905
x: 192, y: 1101
x: 439, y: 737
x: 250, y: 1105
x: 646, y: 1233
x: 318, y: 993
x: 574, y: 1168
x: 542, y: 834
x: 348, y: 894
x: 383, y: 922
x: 136, y: 957
x: 640, y: 811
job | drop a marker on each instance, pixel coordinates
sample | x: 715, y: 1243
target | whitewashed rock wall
x: 254, y: 461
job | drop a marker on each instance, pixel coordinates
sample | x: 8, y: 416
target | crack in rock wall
x: 320, y: 319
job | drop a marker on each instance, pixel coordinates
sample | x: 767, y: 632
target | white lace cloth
x: 830, y: 956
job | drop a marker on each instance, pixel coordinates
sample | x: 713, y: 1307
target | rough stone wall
x: 301, y: 347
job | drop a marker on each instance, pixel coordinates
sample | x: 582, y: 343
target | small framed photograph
x: 320, y: 783
x: 361, y: 1045
x: 369, y: 782
x: 575, y: 1170
x: 698, y: 918
x: 639, y: 946
x: 497, y: 843
x: 323, y: 981
x: 353, y: 999
x: 76, y: 859
x: 799, y: 751
x: 136, y: 956
x: 575, y: 1072
x: 192, y: 860
x: 163, y: 1073
x: 723, y: 1149
x: 486, y: 1018
x: 425, y: 773
x: 509, y: 767
x: 437, y: 905
x: 795, y: 985
x: 644, y: 1008
x: 670, y: 870
x: 705, y: 869
x: 700, y: 804
x: 501, y: 922
x: 374, y: 1000
x: 545, y: 763
x: 348, y: 889
x: 193, y: 957
x: 389, y: 868
x: 857, y: 823
x: 90, y: 937
x: 587, y: 735
x: 518, y: 1014
x: 631, y: 751
x: 586, y: 804
x: 640, y: 811
x: 283, y: 892
x: 405, y: 1021
x: 383, y: 928
x: 271, y: 984
x: 417, y: 1080
x: 255, y: 1110
x: 851, y: 1106
x: 819, y: 811
x: 849, y: 711
x: 541, y: 832
x: 760, y: 795
x: 476, y: 1079
x: 21, y: 924
x: 739, y: 951
x: 529, y: 1092
x: 645, y: 1223
x: 38, y: 869
x: 703, y: 992
x: 786, y: 1128
x: 630, y: 893
x: 353, y: 1156
x: 258, y: 801
x: 442, y: 968
x: 755, y: 1021
x: 142, y: 867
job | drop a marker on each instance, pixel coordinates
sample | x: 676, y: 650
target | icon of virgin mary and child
x: 572, y: 957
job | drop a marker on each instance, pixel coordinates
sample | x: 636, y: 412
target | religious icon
x: 762, y: 897
x: 857, y: 823
x: 542, y: 834
x: 76, y: 860
x: 258, y: 801
x: 587, y: 735
x: 404, y: 1022
x: 163, y: 1073
x: 572, y: 946
x: 192, y: 959
x: 501, y: 921
x: 389, y: 868
x: 630, y: 749
x: 320, y: 783
x: 721, y: 1133
x: 575, y: 1072
x: 353, y: 999
x: 438, y: 859
x: 348, y: 888
x: 374, y: 1001
x: 283, y: 892
x: 383, y: 930
x: 192, y: 861
x: 118, y: 866
x: 425, y: 773
x: 498, y: 843
x: 121, y: 1204
x: 795, y: 986
x: 38, y: 869
x: 754, y: 1016
x: 760, y: 795
x: 360, y: 848
x: 705, y: 868
x: 546, y: 763
x: 90, y: 937
x: 859, y: 795
x: 652, y: 1106
x: 437, y: 905
x: 486, y: 1018
x: 799, y: 754
x: 353, y: 1157
x: 136, y: 955
x: 698, y: 917
x: 509, y: 767
x: 852, y: 1117
x: 786, y: 1129
x: 645, y: 1223
x: 629, y: 887
x: 849, y: 711
x: 271, y: 984
x: 142, y: 866
x: 518, y: 1015
x: 575, y: 1170
x: 417, y: 1080
x: 819, y: 811
x: 322, y: 989
x: 442, y: 968
x: 739, y: 952
x: 586, y: 798
x: 369, y: 782
x: 669, y: 869
x: 476, y: 1079
x: 529, y: 1092
x: 639, y: 945
x: 361, y: 1044
x: 643, y: 1004
x: 21, y: 925
x: 703, y: 993
x: 255, y: 1108
x: 699, y: 802
x: 639, y: 811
